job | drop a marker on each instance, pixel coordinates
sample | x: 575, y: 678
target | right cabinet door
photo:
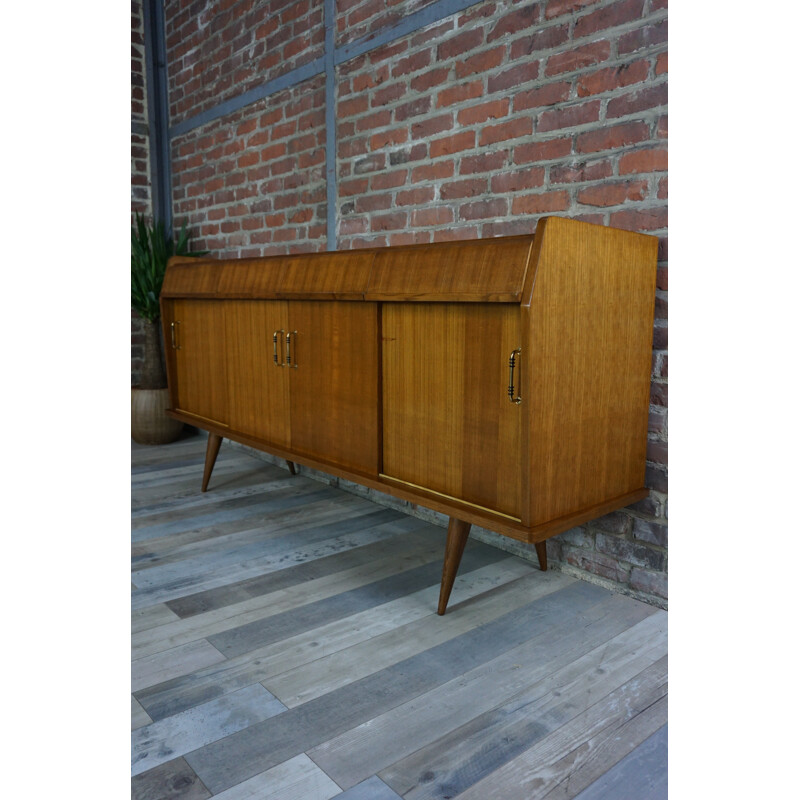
x: 448, y: 423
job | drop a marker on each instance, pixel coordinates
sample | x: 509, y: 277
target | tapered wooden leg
x: 541, y: 551
x: 292, y: 467
x: 212, y: 449
x: 457, y: 533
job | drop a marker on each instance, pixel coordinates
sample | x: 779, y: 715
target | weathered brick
x: 514, y: 128
x: 513, y: 77
x: 649, y: 582
x: 634, y: 102
x: 414, y: 108
x: 452, y: 144
x: 433, y: 172
x: 611, y: 78
x: 547, y: 95
x: 608, y: 17
x: 386, y: 222
x: 638, y: 555
x: 612, y: 194
x: 470, y: 187
x: 649, y: 219
x: 555, y: 8
x: 459, y: 44
x: 387, y: 138
x: 483, y: 162
x: 650, y: 160
x: 415, y: 197
x: 540, y: 203
x: 481, y: 62
x: 597, y: 564
x: 569, y: 116
x: 545, y: 150
x: 640, y: 38
x: 388, y: 180
x: 516, y: 181
x: 428, y: 217
x: 514, y: 22
x: 578, y: 58
x: 482, y: 209
x: 657, y: 452
x: 474, y: 115
x: 427, y: 80
x: 543, y: 39
x: 459, y: 93
x: 612, y: 138
x: 431, y: 126
x: 413, y: 63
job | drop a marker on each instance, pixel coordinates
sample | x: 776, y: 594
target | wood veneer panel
x: 258, y: 391
x: 334, y: 389
x: 488, y: 270
x: 342, y: 275
x: 252, y: 277
x: 448, y: 424
x: 591, y: 322
x: 200, y: 364
x: 193, y: 277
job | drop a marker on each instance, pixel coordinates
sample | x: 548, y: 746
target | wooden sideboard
x: 504, y: 382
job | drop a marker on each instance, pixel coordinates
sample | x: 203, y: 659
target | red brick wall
x: 253, y: 182
x: 219, y: 49
x: 474, y: 126
x: 141, y: 200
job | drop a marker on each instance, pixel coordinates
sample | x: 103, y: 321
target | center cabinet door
x: 258, y: 384
x: 334, y: 385
x: 448, y: 423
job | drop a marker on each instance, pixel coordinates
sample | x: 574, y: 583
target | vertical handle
x: 275, y: 336
x: 173, y: 334
x: 289, y: 362
x: 512, y: 363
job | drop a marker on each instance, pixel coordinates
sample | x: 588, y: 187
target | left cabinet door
x: 258, y: 379
x: 195, y: 346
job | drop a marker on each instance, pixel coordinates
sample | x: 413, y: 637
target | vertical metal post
x: 330, y: 123
x: 158, y: 110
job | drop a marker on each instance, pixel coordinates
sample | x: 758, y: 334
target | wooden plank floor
x: 285, y: 645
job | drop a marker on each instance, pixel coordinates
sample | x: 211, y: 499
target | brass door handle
x: 275, y: 347
x: 289, y: 362
x: 173, y: 334
x: 512, y: 363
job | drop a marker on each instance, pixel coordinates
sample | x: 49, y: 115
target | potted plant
x: 151, y: 247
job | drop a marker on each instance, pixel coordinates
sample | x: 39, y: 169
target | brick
x: 483, y: 162
x: 540, y: 203
x: 388, y: 222
x: 597, y: 564
x: 470, y: 187
x: 578, y: 537
x: 372, y: 163
x: 638, y: 555
x: 650, y: 532
x: 415, y: 197
x: 455, y: 234
x: 413, y: 153
x: 612, y: 194
x: 514, y: 77
x: 412, y: 63
x: 431, y: 126
x: 642, y: 37
x: 428, y: 217
x: 611, y: 138
x: 480, y: 62
x: 546, y: 150
x: 494, y: 109
x: 663, y: 190
x: 568, y: 117
x: 387, y: 94
x: 661, y: 127
x: 611, y: 78
x: 353, y: 187
x: 649, y: 582
x: 460, y: 44
x: 581, y: 171
x: 656, y: 479
x: 657, y: 452
x: 459, y: 93
x: 555, y: 8
x: 651, y: 160
x: 379, y: 119
x: 516, y: 181
x: 543, y: 39
x: 433, y: 172
x: 427, y: 80
x: 578, y: 58
x: 521, y: 126
x: 547, y: 95
x: 649, y: 219
x: 608, y: 17
x: 642, y: 100
x: 415, y: 108
x: 516, y: 227
x: 661, y: 64
x: 514, y: 22
x: 452, y: 144
x: 388, y: 180
x: 387, y: 138
x: 483, y: 209
x: 370, y: 203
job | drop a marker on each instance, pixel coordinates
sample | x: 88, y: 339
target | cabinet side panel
x: 591, y: 334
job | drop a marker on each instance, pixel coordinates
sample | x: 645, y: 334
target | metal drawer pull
x: 275, y: 336
x: 512, y: 363
x: 289, y: 350
x: 173, y: 334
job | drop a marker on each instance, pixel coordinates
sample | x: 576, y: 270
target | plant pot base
x: 149, y: 421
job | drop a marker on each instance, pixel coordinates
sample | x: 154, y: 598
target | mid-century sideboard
x: 504, y: 382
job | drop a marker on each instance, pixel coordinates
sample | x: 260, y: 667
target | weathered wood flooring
x: 285, y: 644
